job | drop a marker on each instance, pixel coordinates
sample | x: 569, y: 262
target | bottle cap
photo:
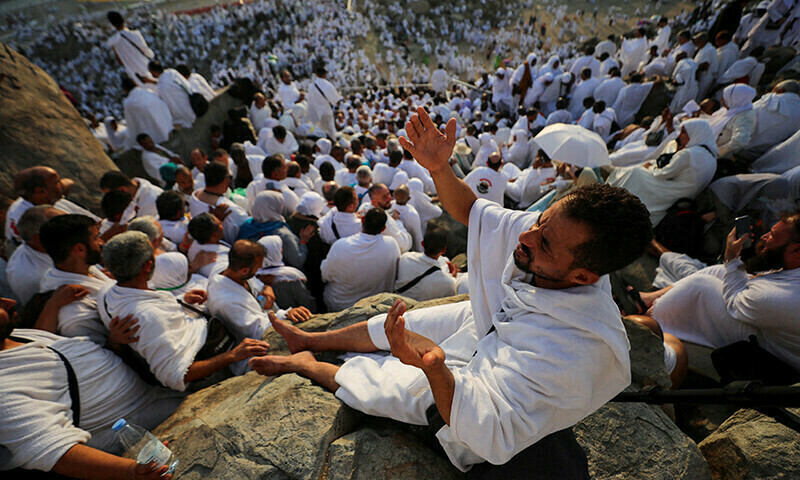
x: 119, y: 424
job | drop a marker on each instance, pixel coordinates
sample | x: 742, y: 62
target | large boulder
x: 751, y: 445
x: 39, y: 126
x: 286, y: 427
x: 635, y: 440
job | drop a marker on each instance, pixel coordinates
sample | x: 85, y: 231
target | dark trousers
x: 555, y: 457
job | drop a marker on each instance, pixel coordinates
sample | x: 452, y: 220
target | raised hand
x: 430, y: 147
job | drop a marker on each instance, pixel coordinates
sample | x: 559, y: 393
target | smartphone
x: 743, y: 225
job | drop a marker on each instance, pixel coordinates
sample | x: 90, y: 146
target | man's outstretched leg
x: 302, y: 363
x: 354, y: 338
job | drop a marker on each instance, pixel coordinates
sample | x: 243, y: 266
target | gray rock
x: 39, y: 126
x: 257, y: 427
x: 750, y: 445
x: 647, y: 356
x: 634, y: 440
x: 369, y: 454
x: 287, y: 427
x: 456, y: 236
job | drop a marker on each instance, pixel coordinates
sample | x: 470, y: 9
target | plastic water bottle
x: 144, y: 445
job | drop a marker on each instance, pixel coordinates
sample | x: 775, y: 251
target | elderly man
x: 236, y: 295
x: 173, y: 343
x: 74, y: 245
x: 380, y: 197
x: 28, y: 264
x: 537, y: 284
x: 343, y: 270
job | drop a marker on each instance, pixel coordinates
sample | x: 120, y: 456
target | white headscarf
x: 171, y: 273
x: 268, y: 206
x: 738, y: 98
x: 700, y: 133
x: 273, y: 261
x: 311, y: 204
x: 324, y: 146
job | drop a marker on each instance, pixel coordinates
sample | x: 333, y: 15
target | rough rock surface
x: 39, y: 126
x: 750, y: 445
x: 289, y: 428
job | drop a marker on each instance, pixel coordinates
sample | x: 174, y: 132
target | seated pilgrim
x: 267, y: 220
x: 207, y: 232
x: 29, y: 263
x: 172, y: 342
x: 233, y: 295
x: 429, y: 274
x: 212, y: 199
x: 341, y: 221
x: 380, y: 197
x: 360, y: 265
x: 288, y: 283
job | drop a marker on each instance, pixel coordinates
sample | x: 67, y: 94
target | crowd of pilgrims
x: 307, y: 203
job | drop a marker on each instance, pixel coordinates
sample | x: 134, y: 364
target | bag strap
x: 72, y: 382
x: 134, y: 45
x: 194, y: 309
x: 335, y: 230
x: 418, y: 279
x: 323, y: 94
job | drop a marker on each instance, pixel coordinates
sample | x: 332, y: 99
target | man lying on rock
x: 539, y: 346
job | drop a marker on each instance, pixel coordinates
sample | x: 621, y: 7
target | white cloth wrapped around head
x: 700, y: 133
x: 311, y: 205
x: 324, y: 146
x: 273, y: 261
x: 268, y: 207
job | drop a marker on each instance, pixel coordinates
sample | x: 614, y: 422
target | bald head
x: 245, y: 254
x: 39, y: 185
x: 402, y: 195
x: 494, y: 161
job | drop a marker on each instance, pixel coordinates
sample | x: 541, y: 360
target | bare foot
x: 649, y: 298
x: 296, y: 339
x: 270, y: 365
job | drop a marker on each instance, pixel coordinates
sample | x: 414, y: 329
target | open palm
x: 426, y: 143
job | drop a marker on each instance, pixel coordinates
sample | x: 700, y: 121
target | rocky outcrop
x: 286, y: 427
x: 752, y: 445
x: 456, y: 233
x: 39, y: 126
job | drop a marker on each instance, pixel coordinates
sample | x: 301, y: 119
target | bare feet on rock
x: 270, y: 365
x: 296, y: 339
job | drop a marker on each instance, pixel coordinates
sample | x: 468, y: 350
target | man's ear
x: 582, y: 276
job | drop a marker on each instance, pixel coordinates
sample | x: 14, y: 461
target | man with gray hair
x: 28, y: 264
x: 150, y: 227
x: 174, y: 344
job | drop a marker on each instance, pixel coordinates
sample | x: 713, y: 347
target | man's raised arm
x: 432, y: 150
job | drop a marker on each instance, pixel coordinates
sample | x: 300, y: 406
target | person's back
x: 146, y: 113
x: 37, y: 427
x: 426, y: 275
x: 360, y: 265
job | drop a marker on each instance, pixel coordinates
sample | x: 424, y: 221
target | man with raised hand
x: 502, y: 377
